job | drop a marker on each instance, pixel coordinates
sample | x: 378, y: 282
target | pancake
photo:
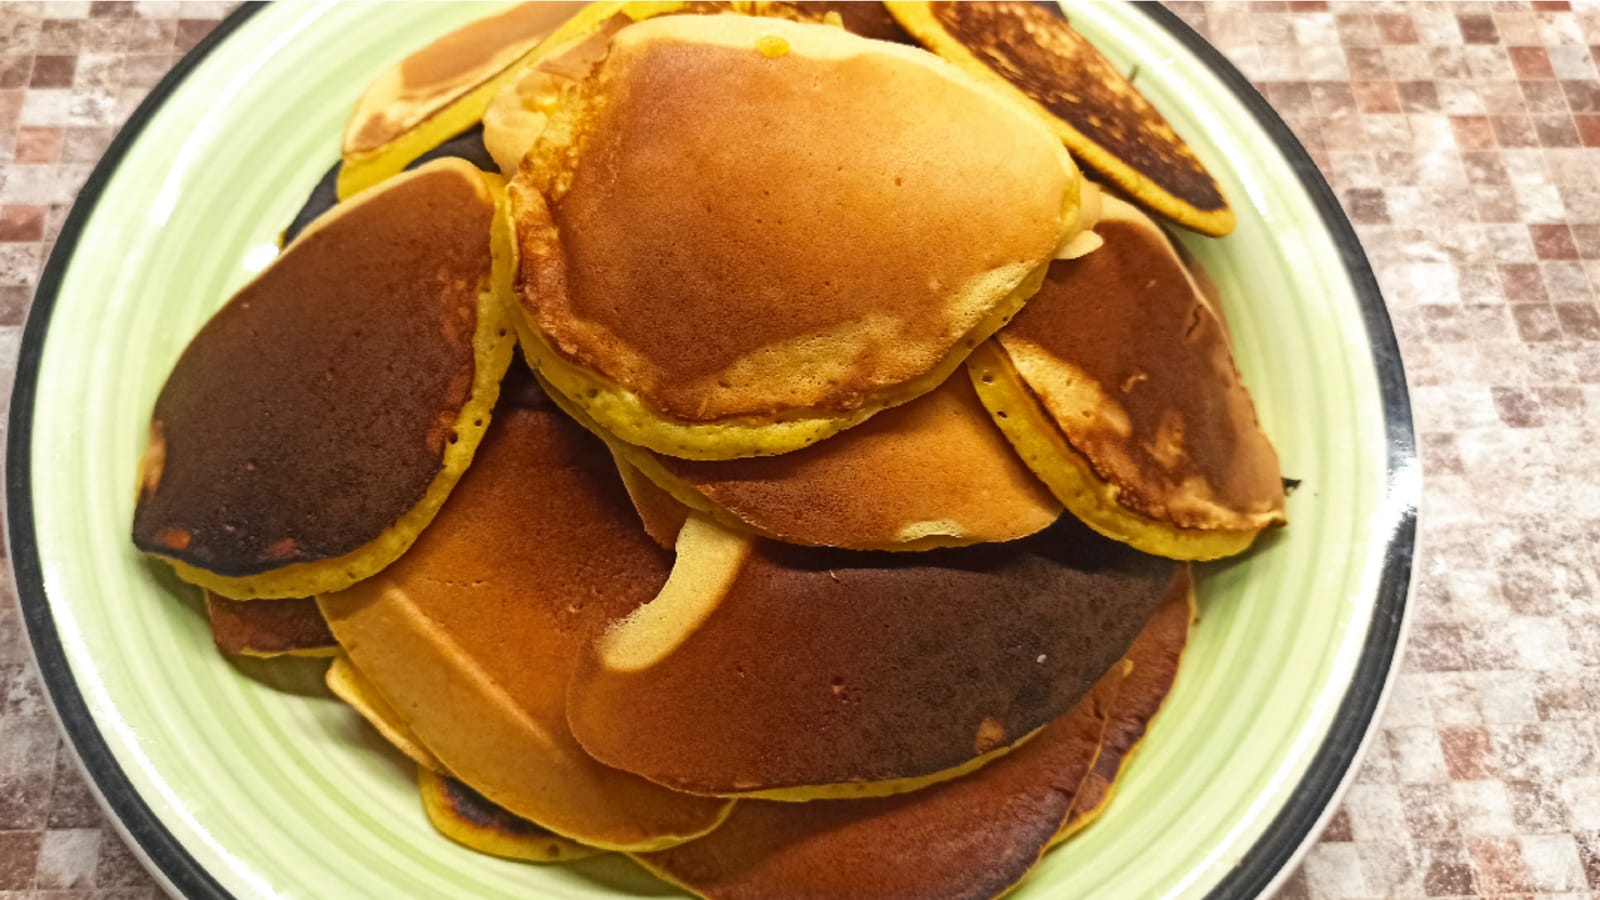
x: 764, y: 669
x: 660, y: 514
x: 464, y: 816
x: 439, y: 91
x: 315, y: 424
x: 1102, y: 118
x: 1117, y: 385
x: 934, y: 472
x: 1155, y: 657
x: 467, y: 145
x: 292, y: 627
x: 870, y: 216
x: 472, y: 635
x: 970, y: 838
x: 349, y: 685
x: 516, y: 116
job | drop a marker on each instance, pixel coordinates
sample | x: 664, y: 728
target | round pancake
x: 715, y: 286
x: 516, y: 115
x: 471, y: 636
x: 1106, y: 123
x: 439, y: 91
x: 772, y: 670
x: 314, y: 425
x: 464, y: 816
x: 349, y: 685
x: 973, y: 837
x: 934, y: 472
x: 1118, y: 387
x: 292, y: 627
x: 1155, y: 657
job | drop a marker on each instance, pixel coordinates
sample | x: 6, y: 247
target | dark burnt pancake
x: 973, y: 837
x: 819, y: 667
x: 1108, y: 125
x: 294, y: 625
x: 870, y: 20
x: 324, y: 401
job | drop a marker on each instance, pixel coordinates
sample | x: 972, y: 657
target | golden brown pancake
x: 934, y: 472
x: 349, y: 685
x: 773, y: 670
x: 1117, y: 384
x: 1154, y: 656
x: 463, y: 815
x: 438, y: 91
x: 294, y: 627
x: 516, y: 115
x: 315, y: 424
x: 1106, y: 123
x: 472, y: 635
x: 713, y: 286
x: 973, y: 837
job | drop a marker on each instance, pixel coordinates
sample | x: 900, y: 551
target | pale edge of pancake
x: 917, y: 18
x: 492, y: 348
x: 1073, y: 480
x: 349, y: 685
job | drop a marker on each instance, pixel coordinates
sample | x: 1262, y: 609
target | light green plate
x: 248, y: 779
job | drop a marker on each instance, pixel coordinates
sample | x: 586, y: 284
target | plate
x: 245, y: 778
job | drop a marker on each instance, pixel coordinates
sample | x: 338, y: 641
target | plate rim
x: 1264, y: 865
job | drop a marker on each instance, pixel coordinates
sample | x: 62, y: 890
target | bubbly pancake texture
x: 713, y: 285
x: 439, y: 91
x: 974, y: 837
x: 1155, y: 657
x: 463, y: 815
x: 472, y: 636
x: 1118, y: 385
x: 934, y: 472
x: 770, y: 669
x: 1103, y: 119
x: 314, y: 425
x: 292, y: 627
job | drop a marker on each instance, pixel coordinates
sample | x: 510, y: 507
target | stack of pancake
x: 832, y: 534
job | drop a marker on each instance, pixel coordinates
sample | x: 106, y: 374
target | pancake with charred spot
x: 974, y: 837
x: 1103, y: 119
x: 314, y: 425
x: 764, y: 669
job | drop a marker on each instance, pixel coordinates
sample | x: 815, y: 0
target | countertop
x: 1464, y: 142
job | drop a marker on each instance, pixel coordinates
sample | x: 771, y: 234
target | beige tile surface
x: 1464, y: 141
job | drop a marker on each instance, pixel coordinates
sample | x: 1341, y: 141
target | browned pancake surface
x: 825, y: 667
x: 933, y: 468
x: 974, y: 837
x: 1186, y: 447
x: 1040, y: 54
x: 745, y: 234
x: 268, y: 627
x: 1155, y: 655
x: 472, y: 634
x: 313, y: 410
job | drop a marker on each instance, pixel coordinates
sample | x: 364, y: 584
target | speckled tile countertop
x: 1464, y: 141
